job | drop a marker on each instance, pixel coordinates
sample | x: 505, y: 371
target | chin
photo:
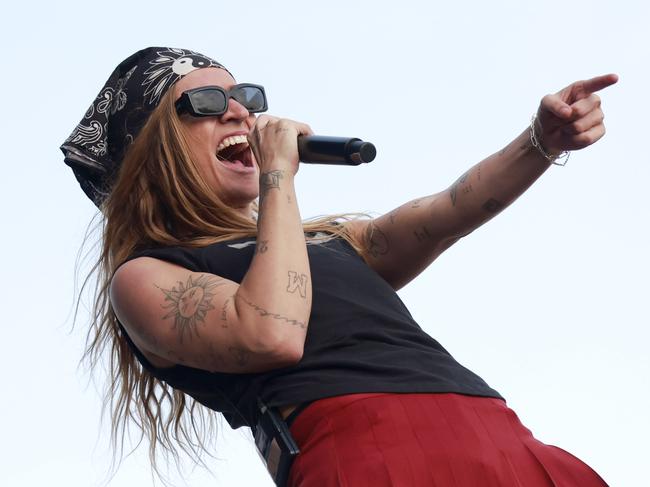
x: 240, y: 200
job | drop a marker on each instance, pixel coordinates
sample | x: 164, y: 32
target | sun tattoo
x: 188, y: 303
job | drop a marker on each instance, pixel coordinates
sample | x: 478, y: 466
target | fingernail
x: 565, y: 111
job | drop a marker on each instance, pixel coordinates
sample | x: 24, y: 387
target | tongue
x: 236, y: 162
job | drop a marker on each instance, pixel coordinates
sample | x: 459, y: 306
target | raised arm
x: 405, y: 241
x: 208, y: 322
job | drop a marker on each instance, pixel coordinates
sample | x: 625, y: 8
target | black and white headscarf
x: 97, y: 145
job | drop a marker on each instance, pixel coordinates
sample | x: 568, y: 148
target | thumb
x: 556, y: 106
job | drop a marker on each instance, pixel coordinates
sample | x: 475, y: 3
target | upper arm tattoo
x: 240, y: 356
x: 376, y: 241
x: 188, y: 303
x: 224, y: 313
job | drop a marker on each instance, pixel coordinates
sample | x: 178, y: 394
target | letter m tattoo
x: 297, y: 282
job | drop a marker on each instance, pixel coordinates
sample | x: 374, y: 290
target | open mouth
x: 235, y: 150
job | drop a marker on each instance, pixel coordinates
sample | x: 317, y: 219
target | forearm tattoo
x: 453, y: 191
x: 493, y: 206
x: 276, y: 316
x: 188, y: 303
x: 526, y: 146
x: 422, y: 234
x: 421, y: 201
x: 297, y: 282
x: 270, y: 180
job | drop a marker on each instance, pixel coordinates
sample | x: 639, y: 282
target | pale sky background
x: 548, y: 302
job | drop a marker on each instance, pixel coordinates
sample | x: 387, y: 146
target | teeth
x: 232, y: 140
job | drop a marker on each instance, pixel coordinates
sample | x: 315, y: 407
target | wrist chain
x: 536, y: 144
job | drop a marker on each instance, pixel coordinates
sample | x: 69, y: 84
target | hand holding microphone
x: 314, y: 149
x: 273, y: 143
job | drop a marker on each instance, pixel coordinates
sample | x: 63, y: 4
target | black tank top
x: 361, y: 338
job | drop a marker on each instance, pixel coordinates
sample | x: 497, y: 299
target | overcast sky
x: 548, y: 302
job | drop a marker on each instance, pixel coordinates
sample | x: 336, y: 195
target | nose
x: 236, y: 111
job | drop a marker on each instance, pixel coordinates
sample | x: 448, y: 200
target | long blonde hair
x: 159, y: 198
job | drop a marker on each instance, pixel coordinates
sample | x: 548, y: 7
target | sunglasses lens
x: 209, y: 102
x: 251, y: 97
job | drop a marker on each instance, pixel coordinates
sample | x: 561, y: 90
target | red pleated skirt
x: 432, y: 440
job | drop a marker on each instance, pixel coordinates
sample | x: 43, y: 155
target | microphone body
x: 345, y: 151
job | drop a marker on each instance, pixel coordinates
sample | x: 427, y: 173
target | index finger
x: 599, y: 82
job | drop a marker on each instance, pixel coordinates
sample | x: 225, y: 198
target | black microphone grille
x: 360, y: 151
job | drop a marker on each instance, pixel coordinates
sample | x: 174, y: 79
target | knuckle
x: 585, y: 139
x: 577, y: 128
x: 581, y: 111
x: 546, y: 99
x: 284, y: 123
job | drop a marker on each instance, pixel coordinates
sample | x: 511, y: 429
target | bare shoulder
x: 358, y: 228
x: 142, y: 267
x: 129, y: 279
x: 135, y: 281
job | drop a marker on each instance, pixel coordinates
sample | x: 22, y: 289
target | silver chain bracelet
x: 552, y: 159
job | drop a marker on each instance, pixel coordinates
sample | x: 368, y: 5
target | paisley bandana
x: 97, y: 145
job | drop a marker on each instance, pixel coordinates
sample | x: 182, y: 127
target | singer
x: 213, y: 292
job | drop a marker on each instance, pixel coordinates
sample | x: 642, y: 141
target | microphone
x: 345, y: 151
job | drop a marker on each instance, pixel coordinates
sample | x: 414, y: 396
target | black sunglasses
x: 209, y: 101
